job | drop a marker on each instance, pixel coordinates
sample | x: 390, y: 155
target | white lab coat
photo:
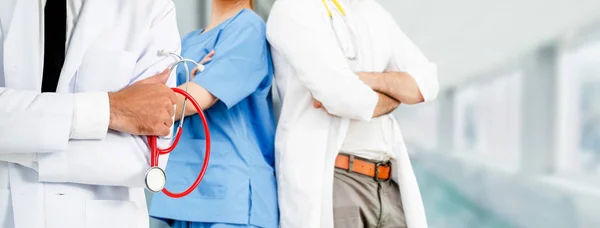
x: 76, y: 183
x: 310, y: 63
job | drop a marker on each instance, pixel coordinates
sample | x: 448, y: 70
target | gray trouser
x: 360, y: 201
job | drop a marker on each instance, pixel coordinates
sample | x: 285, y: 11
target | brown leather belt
x: 379, y: 171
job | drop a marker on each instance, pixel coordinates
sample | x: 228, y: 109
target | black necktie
x: 55, y: 26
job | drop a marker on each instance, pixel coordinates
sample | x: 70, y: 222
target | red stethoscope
x: 155, y: 176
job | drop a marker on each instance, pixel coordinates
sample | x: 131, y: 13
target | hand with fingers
x: 206, y: 59
x: 143, y: 108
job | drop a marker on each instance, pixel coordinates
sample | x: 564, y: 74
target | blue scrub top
x: 239, y: 186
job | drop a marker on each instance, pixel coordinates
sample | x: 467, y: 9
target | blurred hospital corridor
x: 513, y: 139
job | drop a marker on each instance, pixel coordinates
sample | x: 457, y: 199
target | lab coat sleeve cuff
x: 91, y: 116
x: 426, y: 79
x: 369, y: 107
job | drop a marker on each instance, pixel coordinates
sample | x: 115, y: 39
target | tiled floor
x: 447, y: 208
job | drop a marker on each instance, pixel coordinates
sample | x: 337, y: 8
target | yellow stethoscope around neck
x: 337, y: 5
x: 349, y: 49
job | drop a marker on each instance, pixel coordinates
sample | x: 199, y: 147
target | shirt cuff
x: 91, y: 116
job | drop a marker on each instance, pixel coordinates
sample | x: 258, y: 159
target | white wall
x: 191, y: 14
x: 466, y: 37
x: 551, y: 187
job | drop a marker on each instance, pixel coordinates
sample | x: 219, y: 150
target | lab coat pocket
x: 103, y: 70
x: 112, y: 213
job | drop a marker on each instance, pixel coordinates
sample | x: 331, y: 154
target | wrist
x: 114, y: 119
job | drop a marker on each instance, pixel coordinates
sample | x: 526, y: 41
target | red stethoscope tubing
x: 155, y: 151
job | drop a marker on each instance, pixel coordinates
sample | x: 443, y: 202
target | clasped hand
x: 146, y: 107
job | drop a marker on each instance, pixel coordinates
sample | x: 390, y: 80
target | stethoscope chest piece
x: 155, y: 179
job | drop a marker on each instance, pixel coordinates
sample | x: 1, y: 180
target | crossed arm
x: 393, y: 88
x: 400, y: 86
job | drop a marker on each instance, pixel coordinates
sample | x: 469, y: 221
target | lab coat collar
x: 92, y: 19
